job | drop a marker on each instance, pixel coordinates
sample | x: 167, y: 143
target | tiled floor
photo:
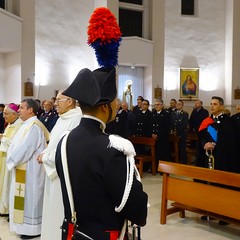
x: 190, y: 228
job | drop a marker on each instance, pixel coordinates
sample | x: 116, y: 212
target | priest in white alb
x: 27, y: 181
x: 11, y: 116
x: 53, y: 211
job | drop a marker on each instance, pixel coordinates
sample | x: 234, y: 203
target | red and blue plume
x: 104, y: 36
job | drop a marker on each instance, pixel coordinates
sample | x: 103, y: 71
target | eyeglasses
x: 62, y: 100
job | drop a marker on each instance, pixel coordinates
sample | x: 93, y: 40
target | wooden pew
x: 141, y: 159
x: 174, y: 141
x: 207, y: 199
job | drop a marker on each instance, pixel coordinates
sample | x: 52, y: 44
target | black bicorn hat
x: 93, y: 87
x: 99, y: 86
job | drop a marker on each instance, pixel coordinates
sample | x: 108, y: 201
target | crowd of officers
x: 159, y: 123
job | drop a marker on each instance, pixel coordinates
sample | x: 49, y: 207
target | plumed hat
x: 99, y: 86
x: 93, y: 88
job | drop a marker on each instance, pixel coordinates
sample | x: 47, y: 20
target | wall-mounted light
x: 208, y: 81
x: 133, y: 66
x: 42, y: 72
x: 171, y: 80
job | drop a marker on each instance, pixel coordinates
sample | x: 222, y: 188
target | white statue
x: 127, y: 94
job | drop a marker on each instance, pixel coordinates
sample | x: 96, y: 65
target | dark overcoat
x: 226, y: 150
x: 196, y: 118
x: 236, y: 119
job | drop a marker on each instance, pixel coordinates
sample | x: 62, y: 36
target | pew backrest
x: 219, y: 193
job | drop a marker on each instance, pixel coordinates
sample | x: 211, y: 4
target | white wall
x: 61, y: 49
x: 10, y: 46
x: 147, y: 90
x: 10, y: 32
x: 236, y: 49
x: 10, y: 77
x: 27, y: 63
x: 2, y: 79
x: 229, y: 51
x: 158, y: 16
x: 61, y: 43
x: 13, y: 84
x: 197, y: 40
x: 136, y: 51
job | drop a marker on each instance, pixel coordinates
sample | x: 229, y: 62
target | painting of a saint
x: 189, y: 86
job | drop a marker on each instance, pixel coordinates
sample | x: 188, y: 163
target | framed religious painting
x: 28, y: 89
x: 237, y: 93
x: 158, y: 92
x: 189, y: 83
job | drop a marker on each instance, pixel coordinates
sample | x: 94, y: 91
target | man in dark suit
x: 219, y: 134
x: 138, y: 107
x: 119, y: 125
x: 179, y: 124
x: 160, y: 131
x: 49, y: 117
x: 173, y: 104
x: 143, y: 121
x: 197, y: 116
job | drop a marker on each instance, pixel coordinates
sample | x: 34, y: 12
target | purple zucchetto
x: 13, y: 106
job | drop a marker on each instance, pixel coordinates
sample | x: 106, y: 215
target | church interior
x: 43, y: 45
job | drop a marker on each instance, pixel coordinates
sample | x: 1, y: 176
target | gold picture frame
x: 189, y: 83
x: 28, y: 89
x: 158, y: 92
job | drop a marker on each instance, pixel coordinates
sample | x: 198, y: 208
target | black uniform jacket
x: 119, y: 125
x: 143, y: 124
x: 161, y: 123
x: 179, y: 122
x: 227, y: 145
x: 49, y: 119
x: 98, y: 177
x: 161, y: 127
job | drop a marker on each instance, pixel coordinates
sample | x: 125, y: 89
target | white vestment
x: 53, y: 210
x: 26, y: 145
x: 9, y: 133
